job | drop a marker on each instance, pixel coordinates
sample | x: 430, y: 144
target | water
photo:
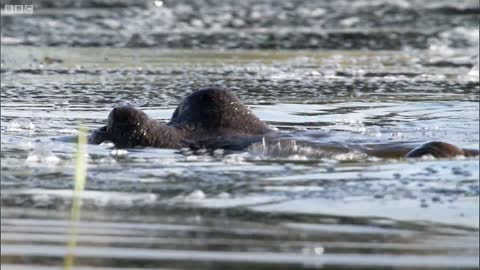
x: 287, y: 206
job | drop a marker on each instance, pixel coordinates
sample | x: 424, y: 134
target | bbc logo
x: 19, y: 9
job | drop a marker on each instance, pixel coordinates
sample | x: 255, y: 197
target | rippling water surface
x: 286, y: 206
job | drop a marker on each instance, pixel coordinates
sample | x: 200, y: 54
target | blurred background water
x: 357, y: 71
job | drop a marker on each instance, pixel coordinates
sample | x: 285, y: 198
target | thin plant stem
x: 80, y: 179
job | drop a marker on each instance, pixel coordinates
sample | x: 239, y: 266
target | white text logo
x: 19, y: 9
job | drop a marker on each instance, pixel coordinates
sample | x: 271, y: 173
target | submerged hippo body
x: 208, y: 118
x: 214, y: 118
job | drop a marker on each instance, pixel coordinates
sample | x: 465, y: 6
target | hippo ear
x: 436, y: 149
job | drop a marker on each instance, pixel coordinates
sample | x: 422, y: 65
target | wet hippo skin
x: 214, y: 118
x: 208, y: 118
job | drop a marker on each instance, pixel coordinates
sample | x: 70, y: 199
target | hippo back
x: 217, y: 110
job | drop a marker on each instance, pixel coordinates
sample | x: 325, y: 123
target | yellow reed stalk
x: 80, y: 179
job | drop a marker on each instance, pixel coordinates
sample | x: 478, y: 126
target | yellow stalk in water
x: 80, y: 179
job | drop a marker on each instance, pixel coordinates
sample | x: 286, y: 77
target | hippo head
x: 128, y: 126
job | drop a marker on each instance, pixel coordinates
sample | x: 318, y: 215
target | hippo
x: 215, y: 118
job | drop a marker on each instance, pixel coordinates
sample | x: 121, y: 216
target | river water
x: 285, y: 206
